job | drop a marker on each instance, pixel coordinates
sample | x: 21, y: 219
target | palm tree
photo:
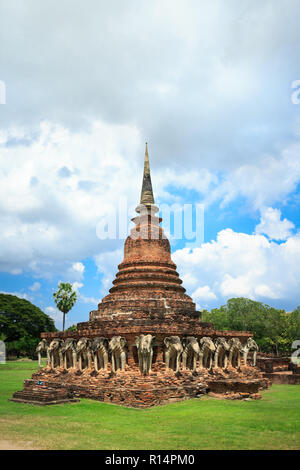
x: 65, y: 299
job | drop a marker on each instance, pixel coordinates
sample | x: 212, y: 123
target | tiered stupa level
x: 147, y: 280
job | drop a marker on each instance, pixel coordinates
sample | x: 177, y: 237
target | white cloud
x: 79, y: 267
x: 89, y: 300
x: 49, y: 221
x: 77, y: 285
x: 272, y: 225
x: 56, y: 315
x: 107, y: 264
x: 238, y: 264
x: 35, y: 287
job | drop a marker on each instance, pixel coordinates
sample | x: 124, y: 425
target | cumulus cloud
x: 272, y: 225
x: 35, y: 287
x: 238, y: 264
x: 56, y: 315
x: 49, y: 225
x: 177, y: 70
x: 107, y: 264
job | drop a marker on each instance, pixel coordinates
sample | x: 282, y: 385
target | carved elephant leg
x: 194, y: 366
x: 254, y: 358
x: 201, y: 360
x: 184, y: 360
x: 113, y: 366
x: 177, y: 362
x: 210, y: 361
x: 150, y: 362
x: 105, y: 360
x: 217, y: 355
x: 238, y: 360
x: 39, y: 359
x: 245, y: 356
x: 89, y: 360
x: 167, y: 360
x: 96, y: 359
x: 80, y: 362
x: 122, y: 360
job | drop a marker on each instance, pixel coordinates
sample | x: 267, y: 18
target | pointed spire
x: 147, y: 192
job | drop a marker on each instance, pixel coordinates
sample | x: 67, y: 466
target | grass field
x: 206, y: 423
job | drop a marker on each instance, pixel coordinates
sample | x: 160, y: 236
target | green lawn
x: 206, y: 423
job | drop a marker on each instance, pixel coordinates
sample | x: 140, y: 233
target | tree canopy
x: 274, y: 329
x: 21, y: 324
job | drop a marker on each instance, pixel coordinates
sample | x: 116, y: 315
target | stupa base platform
x: 38, y: 393
x: 131, y: 389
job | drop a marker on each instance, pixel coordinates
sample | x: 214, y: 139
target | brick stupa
x: 147, y: 298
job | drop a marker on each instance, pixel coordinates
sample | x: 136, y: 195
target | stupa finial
x: 147, y: 192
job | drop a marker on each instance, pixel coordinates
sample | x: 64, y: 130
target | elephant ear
x: 137, y: 341
x: 167, y: 341
x: 122, y: 342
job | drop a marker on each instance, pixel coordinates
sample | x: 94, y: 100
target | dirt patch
x: 10, y: 445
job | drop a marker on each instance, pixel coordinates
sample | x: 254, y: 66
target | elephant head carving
x: 191, y: 352
x: 55, y: 354
x: 221, y: 353
x: 173, y: 352
x: 207, y: 349
x: 235, y: 350
x: 84, y: 353
x: 100, y: 353
x: 144, y: 344
x: 43, y: 347
x: 251, y: 345
x: 118, y: 347
x: 68, y: 350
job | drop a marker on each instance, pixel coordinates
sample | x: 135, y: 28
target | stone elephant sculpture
x: 100, y: 353
x: 235, y: 350
x: 251, y: 345
x: 144, y: 344
x: 69, y: 354
x: 43, y: 347
x: 118, y: 348
x: 55, y: 354
x: 191, y: 352
x: 84, y: 353
x: 221, y: 353
x: 207, y: 349
x: 173, y: 352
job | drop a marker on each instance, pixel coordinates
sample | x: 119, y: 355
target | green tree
x: 65, y: 299
x: 21, y: 324
x: 273, y: 328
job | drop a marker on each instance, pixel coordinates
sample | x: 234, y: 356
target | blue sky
x: 209, y: 86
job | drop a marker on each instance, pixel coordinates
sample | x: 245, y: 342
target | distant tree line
x: 21, y: 324
x: 274, y: 329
